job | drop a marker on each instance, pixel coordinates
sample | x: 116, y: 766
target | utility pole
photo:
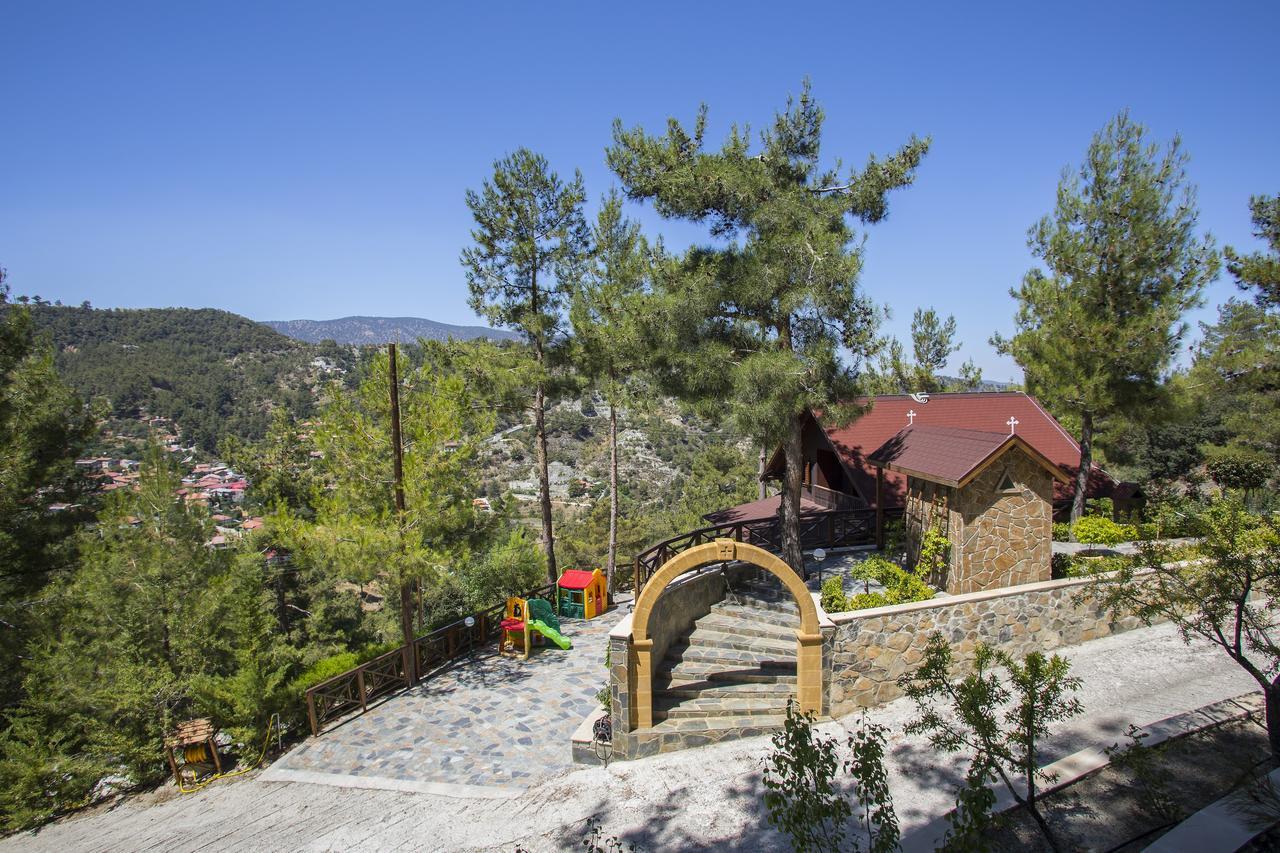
x: 397, y: 473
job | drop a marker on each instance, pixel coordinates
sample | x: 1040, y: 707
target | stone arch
x: 808, y: 637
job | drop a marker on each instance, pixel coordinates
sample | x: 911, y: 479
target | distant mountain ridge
x: 381, y: 330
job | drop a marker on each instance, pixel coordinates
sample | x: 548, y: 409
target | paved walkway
x: 489, y: 727
x: 699, y: 798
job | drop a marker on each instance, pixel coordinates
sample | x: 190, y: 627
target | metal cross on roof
x: 1013, y: 424
x: 911, y: 417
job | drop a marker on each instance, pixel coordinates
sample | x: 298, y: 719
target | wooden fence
x: 351, y: 692
x: 840, y: 528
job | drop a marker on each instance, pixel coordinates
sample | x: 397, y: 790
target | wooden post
x: 397, y: 473
x: 364, y: 697
x: 311, y: 712
x: 880, y: 509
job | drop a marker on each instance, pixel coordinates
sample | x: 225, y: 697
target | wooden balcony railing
x: 351, y: 692
x: 838, y: 528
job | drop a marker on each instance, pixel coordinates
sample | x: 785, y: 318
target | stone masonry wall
x: 1005, y: 536
x: 872, y: 648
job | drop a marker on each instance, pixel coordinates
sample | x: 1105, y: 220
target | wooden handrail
x: 348, y: 691
x: 833, y: 528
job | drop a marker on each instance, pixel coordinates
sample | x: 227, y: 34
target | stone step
x: 730, y: 623
x: 717, y: 689
x: 776, y: 672
x: 696, y: 731
x: 757, y: 615
x: 674, y: 708
x: 742, y: 642
x: 779, y: 605
x: 730, y: 658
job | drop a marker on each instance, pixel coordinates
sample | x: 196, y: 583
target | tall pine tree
x: 1095, y: 332
x: 605, y: 312
x: 531, y: 241
x: 755, y: 320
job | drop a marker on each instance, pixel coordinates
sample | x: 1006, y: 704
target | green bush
x: 876, y: 568
x: 867, y: 600
x: 908, y: 587
x: 833, y: 598
x: 1099, y: 530
x: 1100, y: 508
x: 1061, y: 531
x: 1061, y: 566
x: 1233, y: 468
x: 935, y: 553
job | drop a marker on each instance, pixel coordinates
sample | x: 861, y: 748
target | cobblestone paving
x: 491, y: 721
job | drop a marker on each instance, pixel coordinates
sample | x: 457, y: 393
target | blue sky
x: 310, y: 160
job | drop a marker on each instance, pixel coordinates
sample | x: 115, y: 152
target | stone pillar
x: 809, y: 671
x: 642, y: 689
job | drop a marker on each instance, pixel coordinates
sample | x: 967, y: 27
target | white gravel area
x: 701, y: 798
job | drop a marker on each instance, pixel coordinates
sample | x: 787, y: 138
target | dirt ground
x: 1119, y: 810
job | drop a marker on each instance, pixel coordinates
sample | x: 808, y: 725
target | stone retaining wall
x: 872, y: 648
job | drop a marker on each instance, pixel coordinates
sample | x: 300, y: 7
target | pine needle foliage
x: 1096, y: 329
x: 754, y: 321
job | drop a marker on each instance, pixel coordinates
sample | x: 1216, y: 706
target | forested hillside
x: 212, y: 372
x: 371, y: 331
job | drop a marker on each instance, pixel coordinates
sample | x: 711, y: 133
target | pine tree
x: 932, y: 343
x: 1237, y: 363
x: 755, y: 321
x: 607, y: 347
x: 43, y: 427
x: 1096, y: 331
x: 531, y: 241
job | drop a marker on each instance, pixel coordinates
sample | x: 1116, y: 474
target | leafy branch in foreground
x: 802, y: 796
x: 999, y: 718
x: 1230, y: 599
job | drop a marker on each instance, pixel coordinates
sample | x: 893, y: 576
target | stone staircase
x: 732, y: 675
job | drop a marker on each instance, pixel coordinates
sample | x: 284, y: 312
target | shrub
x: 1231, y: 468
x: 935, y: 553
x: 1061, y: 566
x: 1100, y: 508
x: 1098, y: 530
x: 833, y: 598
x: 511, y: 567
x: 877, y: 568
x: 1061, y: 531
x: 908, y: 588
x: 867, y: 600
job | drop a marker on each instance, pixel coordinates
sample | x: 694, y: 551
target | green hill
x: 212, y: 372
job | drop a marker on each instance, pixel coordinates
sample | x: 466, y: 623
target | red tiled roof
x: 758, y: 510
x: 981, y: 411
x: 944, y: 454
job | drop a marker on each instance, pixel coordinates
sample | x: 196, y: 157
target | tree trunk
x: 789, y: 502
x: 544, y: 477
x: 1086, y: 463
x: 612, y: 564
x: 764, y: 460
x: 1273, y: 716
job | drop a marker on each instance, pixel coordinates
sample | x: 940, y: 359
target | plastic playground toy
x: 583, y: 594
x: 527, y: 622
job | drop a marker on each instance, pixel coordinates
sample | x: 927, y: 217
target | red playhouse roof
x: 576, y: 579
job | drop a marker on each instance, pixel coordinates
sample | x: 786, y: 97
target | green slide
x: 550, y: 633
x: 543, y: 620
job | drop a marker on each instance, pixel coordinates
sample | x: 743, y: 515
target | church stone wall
x: 1007, y: 534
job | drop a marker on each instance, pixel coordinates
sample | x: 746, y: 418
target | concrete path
x: 489, y: 727
x: 708, y: 797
